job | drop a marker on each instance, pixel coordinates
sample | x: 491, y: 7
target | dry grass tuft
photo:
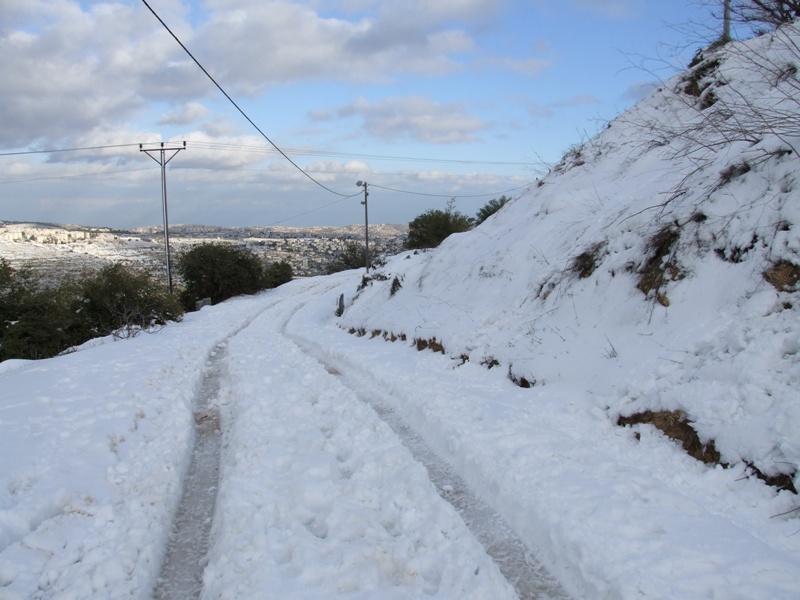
x: 430, y: 344
x: 696, y: 80
x: 522, y: 382
x: 783, y: 275
x: 661, y: 266
x: 585, y: 263
x: 676, y: 427
x: 781, y: 481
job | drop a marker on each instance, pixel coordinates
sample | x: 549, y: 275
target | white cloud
x: 69, y: 67
x: 188, y: 113
x: 256, y: 44
x: 415, y: 118
x: 547, y: 111
x: 66, y: 71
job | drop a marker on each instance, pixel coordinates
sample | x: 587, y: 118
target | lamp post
x: 366, y: 222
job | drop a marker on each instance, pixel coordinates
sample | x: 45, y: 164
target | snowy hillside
x: 648, y: 270
x: 654, y: 269
x: 645, y: 290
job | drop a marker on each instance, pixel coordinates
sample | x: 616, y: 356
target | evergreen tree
x: 353, y: 256
x: 430, y: 229
x: 491, y: 207
x: 219, y: 272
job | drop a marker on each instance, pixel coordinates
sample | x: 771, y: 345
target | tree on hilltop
x: 430, y: 229
x: 352, y: 256
x: 491, y: 207
x: 219, y: 272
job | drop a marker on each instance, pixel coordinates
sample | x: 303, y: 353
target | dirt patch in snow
x: 586, y: 262
x: 675, y: 426
x: 783, y: 275
x: 435, y: 345
x: 661, y: 267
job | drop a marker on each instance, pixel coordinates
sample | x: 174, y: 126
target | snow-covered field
x: 639, y: 276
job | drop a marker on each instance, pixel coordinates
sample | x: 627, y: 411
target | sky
x: 426, y: 101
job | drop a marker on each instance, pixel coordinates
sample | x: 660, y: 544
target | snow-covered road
x: 351, y: 467
x: 318, y: 496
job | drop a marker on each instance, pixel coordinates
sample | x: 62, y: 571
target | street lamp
x: 366, y: 222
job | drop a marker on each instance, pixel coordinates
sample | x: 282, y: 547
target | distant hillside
x: 655, y: 267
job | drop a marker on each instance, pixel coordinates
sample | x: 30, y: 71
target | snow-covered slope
x: 639, y: 268
x: 652, y: 274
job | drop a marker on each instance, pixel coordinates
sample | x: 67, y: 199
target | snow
x: 322, y: 494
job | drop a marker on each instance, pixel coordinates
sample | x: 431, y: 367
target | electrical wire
x: 374, y: 185
x: 244, y: 114
x: 257, y: 128
x: 295, y: 151
x: 54, y: 150
x: 302, y: 152
x: 244, y: 148
x: 74, y: 175
x: 313, y: 210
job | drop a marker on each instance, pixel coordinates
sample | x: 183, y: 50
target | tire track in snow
x: 516, y: 562
x: 181, y: 575
x: 182, y: 572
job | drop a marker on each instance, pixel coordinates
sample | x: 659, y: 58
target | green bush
x: 37, y: 321
x: 219, y: 272
x: 34, y: 321
x: 430, y: 229
x: 8, y: 292
x: 352, y: 256
x: 491, y: 207
x: 121, y: 300
x: 277, y: 274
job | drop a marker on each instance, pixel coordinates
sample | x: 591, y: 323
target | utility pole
x: 366, y: 222
x: 162, y: 160
x: 726, y: 21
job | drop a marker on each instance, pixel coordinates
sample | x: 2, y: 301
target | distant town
x: 58, y: 249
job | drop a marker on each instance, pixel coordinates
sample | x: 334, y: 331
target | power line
x: 74, y: 175
x: 296, y: 151
x: 313, y: 210
x: 410, y: 192
x: 448, y: 195
x: 244, y: 114
x: 257, y: 128
x: 344, y: 197
x: 302, y: 152
x: 54, y: 150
